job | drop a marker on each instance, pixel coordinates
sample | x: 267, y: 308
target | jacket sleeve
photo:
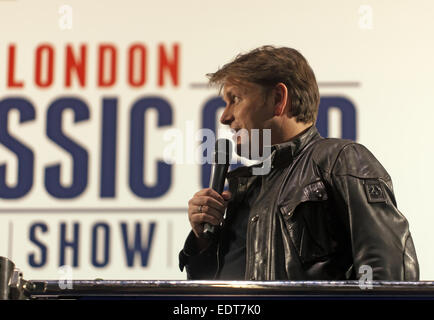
x: 199, y: 265
x: 379, y: 233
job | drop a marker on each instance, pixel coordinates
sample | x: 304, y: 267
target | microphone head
x: 223, y: 151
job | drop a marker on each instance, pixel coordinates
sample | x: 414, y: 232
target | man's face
x: 246, y: 108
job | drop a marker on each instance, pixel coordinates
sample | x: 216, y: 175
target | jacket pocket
x: 306, y: 218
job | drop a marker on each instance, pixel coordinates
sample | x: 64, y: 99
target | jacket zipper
x: 270, y: 244
x: 218, y: 261
x: 247, y: 276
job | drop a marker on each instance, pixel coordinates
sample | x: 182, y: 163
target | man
x: 325, y: 211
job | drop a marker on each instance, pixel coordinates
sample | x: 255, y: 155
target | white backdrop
x: 376, y: 54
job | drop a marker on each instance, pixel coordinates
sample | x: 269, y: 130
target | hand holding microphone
x: 207, y: 207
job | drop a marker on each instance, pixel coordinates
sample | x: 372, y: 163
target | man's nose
x: 227, y: 116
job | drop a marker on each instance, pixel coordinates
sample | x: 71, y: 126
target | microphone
x: 222, y: 157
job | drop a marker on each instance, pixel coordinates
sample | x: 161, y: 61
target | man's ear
x: 281, y: 99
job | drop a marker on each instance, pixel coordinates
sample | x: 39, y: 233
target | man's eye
x: 236, y: 99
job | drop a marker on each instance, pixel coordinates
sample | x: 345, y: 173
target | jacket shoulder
x: 346, y: 157
x: 326, y: 150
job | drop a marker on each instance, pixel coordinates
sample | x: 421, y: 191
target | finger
x: 210, y: 193
x: 218, y: 214
x: 207, y: 201
x: 201, y: 218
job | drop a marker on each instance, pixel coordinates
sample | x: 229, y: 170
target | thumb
x: 227, y: 195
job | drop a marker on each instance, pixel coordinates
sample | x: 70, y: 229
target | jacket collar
x: 282, y: 153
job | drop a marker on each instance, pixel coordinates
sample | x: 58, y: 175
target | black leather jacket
x: 326, y: 208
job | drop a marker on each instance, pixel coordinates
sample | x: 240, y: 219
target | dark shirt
x: 233, y: 250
